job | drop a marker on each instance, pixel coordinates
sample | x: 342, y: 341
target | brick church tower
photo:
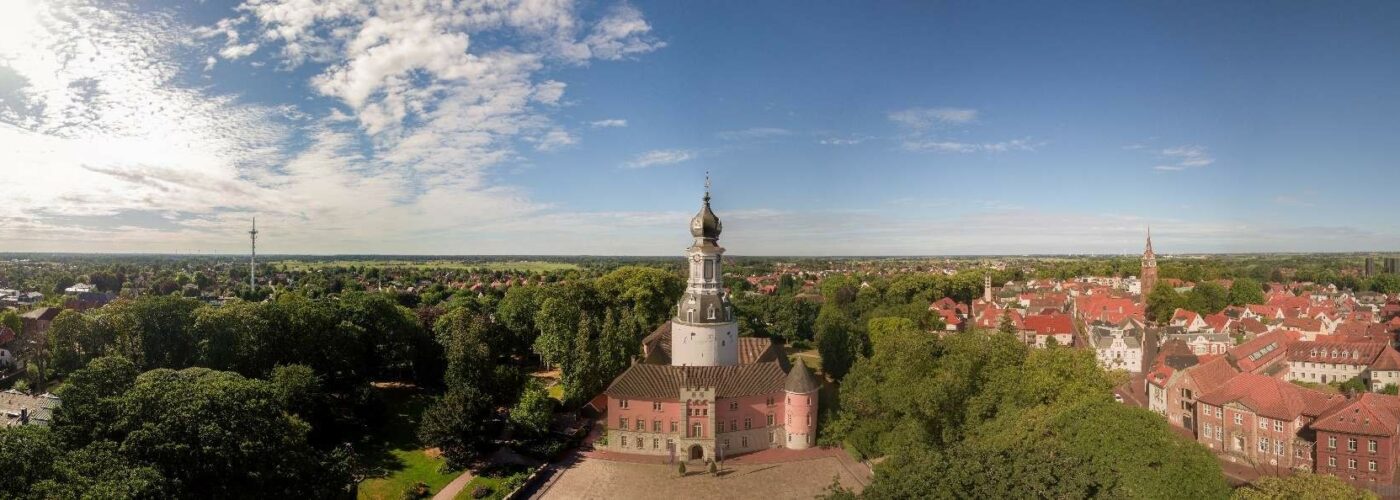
x: 1149, y: 268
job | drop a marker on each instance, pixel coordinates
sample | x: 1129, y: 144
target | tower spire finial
x: 707, y: 185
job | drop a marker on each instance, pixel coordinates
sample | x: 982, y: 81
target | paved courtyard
x: 592, y: 477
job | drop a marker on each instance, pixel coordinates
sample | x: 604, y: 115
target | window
x: 770, y: 400
x: 809, y: 420
x: 744, y: 441
x: 656, y: 426
x: 733, y: 405
x: 733, y: 425
x: 1351, y: 444
x: 1331, y: 461
x: 712, y: 312
x: 1263, y: 423
x: 1207, y: 429
x: 1263, y: 445
x: 673, y: 426
x: 1351, y: 463
x: 622, y: 423
x: 656, y: 406
x: 1239, y: 418
x: 1371, y: 446
x: 1278, y: 447
x: 709, y: 269
x: 770, y: 437
x: 748, y: 423
x: 623, y: 441
x: 726, y: 443
x: 655, y: 443
x: 697, y: 431
x: 1219, y: 433
x: 641, y: 426
x: 1371, y: 465
x: 1219, y: 413
x: 1331, y: 442
x: 1278, y: 426
x: 770, y: 419
x: 622, y: 403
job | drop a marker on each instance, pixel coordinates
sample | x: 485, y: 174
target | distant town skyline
x: 571, y: 128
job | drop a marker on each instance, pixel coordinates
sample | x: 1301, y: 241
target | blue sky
x: 558, y: 127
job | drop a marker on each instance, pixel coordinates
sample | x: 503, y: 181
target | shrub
x: 682, y: 468
x: 481, y: 492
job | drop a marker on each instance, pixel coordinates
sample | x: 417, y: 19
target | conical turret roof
x: 800, y: 380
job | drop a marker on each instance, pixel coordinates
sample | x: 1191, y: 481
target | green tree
x: 836, y: 341
x: 9, y: 318
x: 1302, y: 486
x: 648, y: 293
x: 457, y: 423
x: 532, y: 414
x: 1162, y: 302
x: 1246, y: 291
x: 27, y: 455
x: 99, y: 470
x: 1208, y: 298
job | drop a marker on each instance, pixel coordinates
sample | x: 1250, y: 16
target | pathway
x: 453, y: 488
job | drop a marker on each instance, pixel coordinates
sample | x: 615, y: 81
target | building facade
x: 701, y: 392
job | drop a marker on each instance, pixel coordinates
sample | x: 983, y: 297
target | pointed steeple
x: 800, y: 380
x: 1148, y: 253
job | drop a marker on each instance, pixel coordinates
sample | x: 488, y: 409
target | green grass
x: 490, y: 482
x: 556, y: 391
x: 397, y: 451
x: 531, y: 266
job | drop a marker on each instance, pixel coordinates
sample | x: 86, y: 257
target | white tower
x: 704, y: 332
x: 253, y: 257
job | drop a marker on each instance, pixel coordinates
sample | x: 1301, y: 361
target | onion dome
x: 800, y: 380
x: 705, y: 224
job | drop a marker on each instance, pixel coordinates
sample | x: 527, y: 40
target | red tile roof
x: 1049, y: 324
x: 1269, y: 397
x: 1259, y: 353
x: 1369, y: 414
x: 1346, y: 353
x: 1388, y: 360
x: 1211, y: 373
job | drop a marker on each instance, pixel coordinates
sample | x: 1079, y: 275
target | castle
x: 702, y: 392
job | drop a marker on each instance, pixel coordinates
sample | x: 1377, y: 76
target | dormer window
x: 690, y: 315
x: 712, y: 312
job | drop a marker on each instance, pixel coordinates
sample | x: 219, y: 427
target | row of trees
x: 978, y: 415
x: 1205, y: 298
x: 187, y: 395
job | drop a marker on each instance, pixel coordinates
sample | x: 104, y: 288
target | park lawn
x: 532, y: 266
x: 397, y: 451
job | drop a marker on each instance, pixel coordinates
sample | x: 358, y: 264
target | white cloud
x: 924, y: 118
x: 842, y: 141
x: 609, y: 123
x: 426, y: 110
x: 1183, y: 157
x: 943, y: 146
x: 660, y: 157
x: 754, y: 134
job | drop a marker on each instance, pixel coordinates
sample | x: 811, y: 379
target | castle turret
x: 704, y: 331
x: 801, y: 388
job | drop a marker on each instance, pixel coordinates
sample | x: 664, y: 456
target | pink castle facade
x: 701, y: 392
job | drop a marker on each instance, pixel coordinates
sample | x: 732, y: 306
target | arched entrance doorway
x: 696, y: 452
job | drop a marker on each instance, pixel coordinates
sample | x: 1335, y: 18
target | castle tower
x: 801, y: 389
x: 987, y: 288
x: 1149, y: 268
x: 704, y: 331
